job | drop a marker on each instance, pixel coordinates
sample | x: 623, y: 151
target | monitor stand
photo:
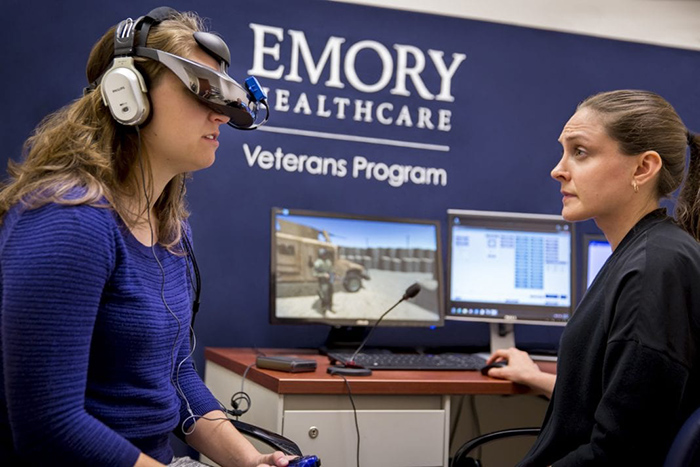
x: 503, y: 337
x: 345, y: 337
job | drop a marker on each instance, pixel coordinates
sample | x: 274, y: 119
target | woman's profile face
x: 182, y: 135
x: 595, y: 176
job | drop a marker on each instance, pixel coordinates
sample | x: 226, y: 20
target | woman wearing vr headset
x: 97, y: 284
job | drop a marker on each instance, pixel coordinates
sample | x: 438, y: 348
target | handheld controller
x: 305, y: 461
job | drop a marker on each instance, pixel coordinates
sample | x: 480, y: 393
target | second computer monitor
x: 596, y: 251
x: 346, y: 270
x: 509, y: 268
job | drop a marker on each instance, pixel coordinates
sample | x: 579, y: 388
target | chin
x: 205, y: 163
x: 572, y: 215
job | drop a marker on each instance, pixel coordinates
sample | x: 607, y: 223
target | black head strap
x: 154, y: 17
x: 126, y: 30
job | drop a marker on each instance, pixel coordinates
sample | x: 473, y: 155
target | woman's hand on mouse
x: 522, y: 370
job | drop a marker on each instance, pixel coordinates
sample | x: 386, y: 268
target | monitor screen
x: 347, y: 270
x: 596, y: 252
x: 510, y: 267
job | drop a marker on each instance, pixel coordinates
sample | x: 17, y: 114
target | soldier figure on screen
x: 323, y: 271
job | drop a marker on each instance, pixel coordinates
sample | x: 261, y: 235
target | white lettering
x: 302, y: 105
x: 282, y: 100
x: 397, y: 175
x: 424, y: 118
x: 410, y: 63
x: 384, y: 56
x: 381, y: 118
x: 341, y: 102
x: 404, y: 118
x: 251, y: 157
x: 321, y: 110
x: 402, y: 71
x: 446, y: 74
x: 259, y: 51
x: 363, y: 108
x: 444, y: 119
x: 365, y: 111
x: 266, y: 160
x: 301, y: 46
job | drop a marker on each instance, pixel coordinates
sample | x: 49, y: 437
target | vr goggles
x: 124, y: 90
x: 216, y: 89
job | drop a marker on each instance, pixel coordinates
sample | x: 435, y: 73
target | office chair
x: 461, y: 458
x: 684, y: 451
x: 274, y: 440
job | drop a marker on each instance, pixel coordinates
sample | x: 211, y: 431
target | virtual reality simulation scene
x: 340, y: 269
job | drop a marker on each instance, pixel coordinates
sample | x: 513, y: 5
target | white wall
x: 673, y: 23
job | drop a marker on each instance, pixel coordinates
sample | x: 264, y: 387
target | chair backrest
x: 686, y: 445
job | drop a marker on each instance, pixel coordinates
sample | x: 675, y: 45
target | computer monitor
x: 346, y: 270
x: 596, y: 251
x: 509, y: 268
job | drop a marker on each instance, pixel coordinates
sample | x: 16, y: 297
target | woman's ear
x: 649, y: 164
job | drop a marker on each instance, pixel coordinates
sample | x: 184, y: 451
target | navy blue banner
x: 374, y: 111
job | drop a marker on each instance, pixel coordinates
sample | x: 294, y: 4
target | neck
x: 616, y: 226
x: 142, y: 218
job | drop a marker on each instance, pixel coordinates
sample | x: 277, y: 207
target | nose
x: 219, y: 118
x: 559, y: 171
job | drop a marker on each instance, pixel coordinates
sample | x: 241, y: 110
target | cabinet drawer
x: 399, y: 438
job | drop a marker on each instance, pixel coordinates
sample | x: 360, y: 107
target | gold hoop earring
x: 635, y: 186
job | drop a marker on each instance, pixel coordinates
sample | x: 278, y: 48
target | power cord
x: 476, y: 421
x: 357, y: 424
x: 241, y: 396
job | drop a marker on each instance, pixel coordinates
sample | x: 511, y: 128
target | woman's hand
x: 276, y: 459
x: 522, y: 370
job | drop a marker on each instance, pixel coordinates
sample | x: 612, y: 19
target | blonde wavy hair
x: 80, y: 155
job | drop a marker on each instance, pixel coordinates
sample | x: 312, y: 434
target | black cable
x: 197, y: 282
x: 241, y: 396
x: 354, y: 412
x: 476, y: 422
x: 457, y: 417
x: 174, y: 373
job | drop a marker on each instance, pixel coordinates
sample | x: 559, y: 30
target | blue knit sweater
x: 89, y: 349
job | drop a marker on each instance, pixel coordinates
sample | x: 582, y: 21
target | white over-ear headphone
x: 122, y: 85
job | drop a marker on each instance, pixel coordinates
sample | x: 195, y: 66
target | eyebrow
x: 575, y: 136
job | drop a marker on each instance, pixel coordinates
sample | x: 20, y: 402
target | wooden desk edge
x: 441, y: 382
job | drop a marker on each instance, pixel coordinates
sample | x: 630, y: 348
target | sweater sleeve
x: 55, y: 263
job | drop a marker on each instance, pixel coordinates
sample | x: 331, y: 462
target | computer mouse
x: 499, y: 364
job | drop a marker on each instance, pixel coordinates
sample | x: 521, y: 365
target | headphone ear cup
x: 124, y: 92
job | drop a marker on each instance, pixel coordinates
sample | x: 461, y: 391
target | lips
x: 566, y: 195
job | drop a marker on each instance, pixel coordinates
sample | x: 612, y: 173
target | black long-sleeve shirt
x: 628, y: 373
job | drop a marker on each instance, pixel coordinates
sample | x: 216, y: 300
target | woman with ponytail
x: 628, y: 372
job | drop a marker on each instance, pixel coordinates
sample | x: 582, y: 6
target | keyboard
x: 387, y: 360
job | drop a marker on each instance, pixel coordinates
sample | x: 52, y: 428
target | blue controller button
x: 306, y: 461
